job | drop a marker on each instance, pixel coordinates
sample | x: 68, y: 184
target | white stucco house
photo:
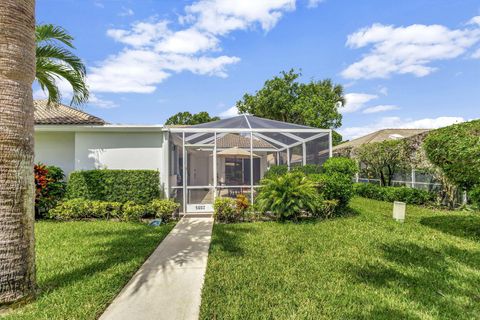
x: 196, y: 163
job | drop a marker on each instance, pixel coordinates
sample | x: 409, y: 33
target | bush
x: 456, y: 151
x: 104, y: 210
x: 334, y: 186
x: 307, y: 169
x: 77, y: 209
x: 139, y: 186
x: 404, y: 194
x: 326, y: 209
x: 132, y: 211
x: 275, y: 171
x: 225, y: 210
x: 164, y: 208
x: 474, y: 196
x: 287, y: 196
x: 342, y: 165
x: 49, y: 188
x: 242, y: 203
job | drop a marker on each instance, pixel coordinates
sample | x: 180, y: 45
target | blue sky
x: 411, y: 63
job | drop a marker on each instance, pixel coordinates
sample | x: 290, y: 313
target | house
x: 196, y: 163
x: 347, y: 148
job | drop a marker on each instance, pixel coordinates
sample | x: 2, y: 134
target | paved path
x: 169, y: 284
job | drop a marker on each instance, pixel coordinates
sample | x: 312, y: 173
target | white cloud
x: 188, y: 41
x: 101, y: 103
x: 383, y: 90
x: 380, y: 108
x: 126, y: 12
x: 139, y: 71
x: 476, y: 54
x: 474, y: 20
x: 230, y: 112
x: 142, y: 34
x: 313, y: 3
x: 356, y: 101
x: 129, y: 71
x: 397, y: 122
x: 220, y: 17
x: 407, y: 50
x: 153, y: 50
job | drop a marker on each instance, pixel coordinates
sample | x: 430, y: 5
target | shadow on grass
x: 465, y: 226
x: 122, y: 247
x: 228, y: 237
x: 430, y: 279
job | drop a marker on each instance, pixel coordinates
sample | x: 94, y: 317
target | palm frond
x: 47, y: 69
x: 52, y: 52
x: 49, y: 33
x: 47, y: 82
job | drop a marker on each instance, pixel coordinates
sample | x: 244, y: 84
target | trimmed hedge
x: 404, y: 194
x: 139, y: 186
x: 77, y: 209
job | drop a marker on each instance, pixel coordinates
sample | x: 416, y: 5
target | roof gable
x: 60, y: 114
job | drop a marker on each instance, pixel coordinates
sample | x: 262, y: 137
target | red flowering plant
x: 49, y: 188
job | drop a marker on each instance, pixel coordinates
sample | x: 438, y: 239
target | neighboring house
x: 347, y: 148
x: 220, y: 158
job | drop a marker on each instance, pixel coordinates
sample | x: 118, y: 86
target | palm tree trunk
x: 17, y: 71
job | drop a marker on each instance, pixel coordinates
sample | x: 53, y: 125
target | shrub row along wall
x: 139, y: 186
x: 404, y: 194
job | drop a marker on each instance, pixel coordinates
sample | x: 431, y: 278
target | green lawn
x: 364, y: 266
x: 81, y: 266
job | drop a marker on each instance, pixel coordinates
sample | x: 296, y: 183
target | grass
x: 81, y: 266
x: 364, y: 266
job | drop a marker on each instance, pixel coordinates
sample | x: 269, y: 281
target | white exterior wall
x: 121, y: 150
x: 103, y: 150
x: 56, y: 148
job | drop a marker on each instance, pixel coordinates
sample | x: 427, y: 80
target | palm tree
x: 55, y: 61
x: 17, y: 72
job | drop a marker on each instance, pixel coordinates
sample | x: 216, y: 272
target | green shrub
x: 404, y: 194
x: 474, y: 196
x: 307, y: 169
x: 164, y: 208
x: 49, y: 188
x: 334, y: 186
x: 132, y: 211
x: 342, y: 165
x: 275, y: 171
x: 287, y: 196
x: 225, y: 210
x: 456, y: 151
x: 140, y: 186
x: 73, y: 209
x: 326, y: 209
x: 105, y: 210
x: 77, y: 209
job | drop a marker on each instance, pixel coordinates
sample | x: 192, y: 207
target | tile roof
x: 379, y: 136
x: 231, y: 140
x: 62, y: 115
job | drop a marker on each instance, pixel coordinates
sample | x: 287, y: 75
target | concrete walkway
x: 169, y: 284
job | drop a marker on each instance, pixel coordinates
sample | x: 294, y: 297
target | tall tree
x: 186, y: 118
x: 284, y: 98
x: 17, y: 71
x: 55, y: 61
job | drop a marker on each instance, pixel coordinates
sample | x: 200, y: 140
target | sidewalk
x: 168, y: 285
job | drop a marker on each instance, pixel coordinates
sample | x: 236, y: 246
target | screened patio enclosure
x: 229, y: 157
